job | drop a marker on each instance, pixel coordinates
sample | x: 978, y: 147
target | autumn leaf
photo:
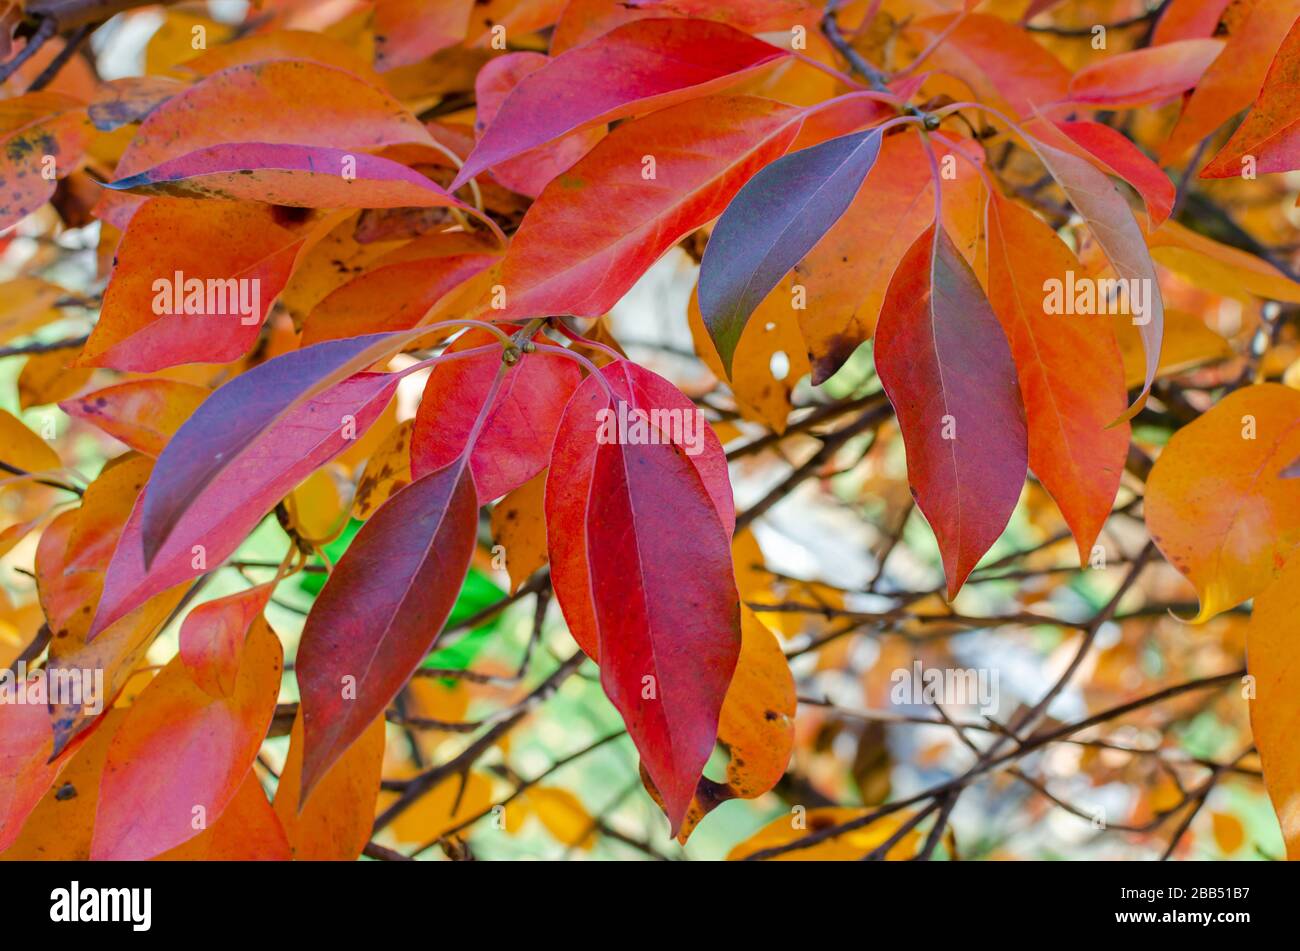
x: 1215, y: 504
x: 855, y: 845
x: 1145, y: 76
x: 1117, y: 232
x: 247, y: 831
x: 646, y: 65
x: 180, y: 755
x: 755, y: 726
x: 1121, y: 157
x: 965, y: 432
x: 530, y: 401
x: 1270, y: 134
x: 567, y: 259
x: 529, y: 173
x: 141, y: 413
x: 26, y: 742
x: 568, y: 501
x: 387, y: 471
x: 335, y: 822
x: 519, y: 527
x: 400, y: 287
x: 42, y: 136
x: 356, y: 653
x: 1271, y: 655
x: 294, y: 175
x: 193, y: 283
x: 1003, y: 65
x: 212, y: 490
x: 668, y: 646
x: 1070, y: 372
x: 1232, y: 81
x: 774, y: 221
x: 212, y: 638
x: 277, y: 102
x: 406, y: 31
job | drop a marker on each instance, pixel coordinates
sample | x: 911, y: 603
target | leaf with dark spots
x: 37, y: 129
x: 292, y: 175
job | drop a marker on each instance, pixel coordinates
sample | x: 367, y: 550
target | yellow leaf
x: 563, y: 815
x: 1188, y: 342
x: 182, y: 36
x: 1217, y: 267
x: 23, y: 449
x: 47, y: 378
x: 141, y: 413
x: 847, y: 847
x: 1216, y: 505
x: 336, y: 820
x: 1273, y: 659
x: 27, y: 304
x: 442, y: 808
x: 1229, y: 833
x: 317, y: 510
x: 387, y: 471
x: 519, y: 526
x: 770, y: 358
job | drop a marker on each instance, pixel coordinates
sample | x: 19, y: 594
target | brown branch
x: 1033, y: 743
x: 460, y: 764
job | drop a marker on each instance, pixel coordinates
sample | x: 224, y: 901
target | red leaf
x: 289, y: 101
x: 1125, y: 160
x: 515, y: 442
x: 381, y: 610
x: 1271, y: 130
x: 567, y: 498
x: 962, y: 420
x: 596, y: 228
x: 248, y: 831
x: 1112, y: 223
x: 638, y: 67
x: 1145, y: 76
x: 26, y: 742
x: 181, y: 750
x: 1254, y: 32
x: 999, y: 61
x: 623, y: 514
x: 145, y: 327
x: 300, y: 176
x: 1188, y: 20
x: 212, y: 522
x: 1070, y: 371
x: 526, y: 174
x: 212, y: 638
x: 229, y: 423
x: 407, y: 31
x: 399, y: 290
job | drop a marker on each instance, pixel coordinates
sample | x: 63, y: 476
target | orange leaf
x: 1215, y: 504
x: 336, y: 820
x: 181, y: 755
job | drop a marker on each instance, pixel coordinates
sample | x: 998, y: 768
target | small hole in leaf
x: 780, y: 365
